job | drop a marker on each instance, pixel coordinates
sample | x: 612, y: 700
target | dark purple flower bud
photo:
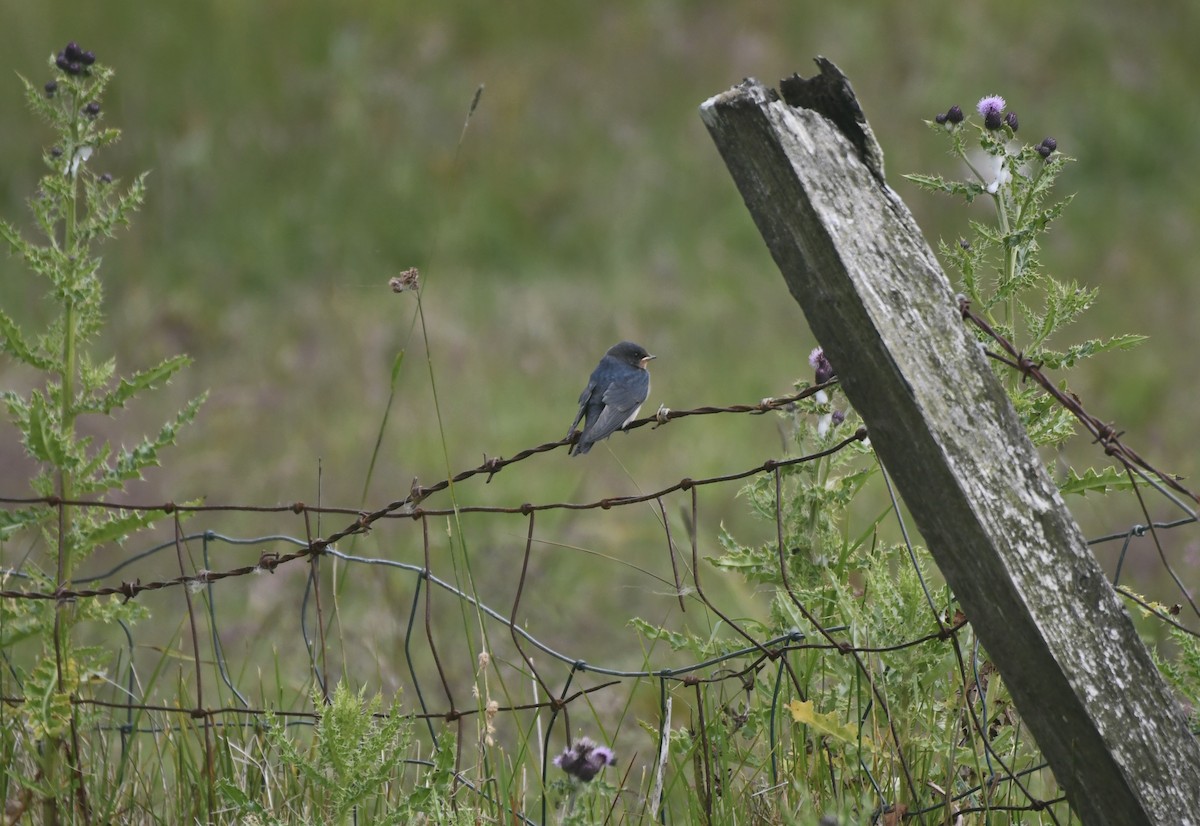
x: 991, y: 108
x: 818, y: 361
x: 964, y: 243
x: 954, y: 114
x: 87, y: 58
x: 1050, y: 143
x: 1011, y: 120
x: 585, y: 759
x: 939, y: 118
x: 73, y: 52
x: 56, y: 152
x: 62, y: 62
x: 92, y: 109
x: 838, y: 417
x: 51, y: 87
x: 106, y: 178
x: 1043, y: 150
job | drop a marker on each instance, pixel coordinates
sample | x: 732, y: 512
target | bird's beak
x: 646, y: 360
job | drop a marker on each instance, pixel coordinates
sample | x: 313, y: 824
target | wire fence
x: 445, y: 696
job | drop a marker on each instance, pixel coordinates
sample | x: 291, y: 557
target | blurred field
x: 303, y: 153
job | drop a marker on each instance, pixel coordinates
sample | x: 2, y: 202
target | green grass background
x: 303, y: 153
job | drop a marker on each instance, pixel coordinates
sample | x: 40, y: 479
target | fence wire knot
x: 1027, y: 366
x: 130, y: 589
x: 1106, y: 433
x: 492, y: 467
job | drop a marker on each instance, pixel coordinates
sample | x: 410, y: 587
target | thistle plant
x: 75, y: 208
x: 842, y: 727
x: 347, y: 770
x: 1000, y: 270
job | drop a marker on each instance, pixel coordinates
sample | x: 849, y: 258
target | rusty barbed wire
x: 490, y: 467
x: 736, y: 667
x: 1104, y: 433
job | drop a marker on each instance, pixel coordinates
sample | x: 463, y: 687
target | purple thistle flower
x: 818, y: 361
x: 585, y: 759
x: 992, y: 104
x: 991, y: 109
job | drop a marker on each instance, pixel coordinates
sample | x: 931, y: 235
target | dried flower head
x: 407, y: 281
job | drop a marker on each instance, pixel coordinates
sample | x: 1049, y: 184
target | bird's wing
x: 620, y: 400
x: 584, y: 398
x: 629, y: 393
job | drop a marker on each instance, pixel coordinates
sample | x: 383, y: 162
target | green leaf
x: 399, y: 360
x: 42, y: 437
x: 936, y: 183
x: 48, y: 710
x: 13, y: 521
x: 130, y: 387
x: 129, y: 463
x: 677, y: 641
x: 1076, y: 353
x: 829, y: 725
x: 89, y: 476
x: 12, y: 341
x: 93, y: 377
x: 117, y: 527
x: 1108, y: 480
x: 16, y: 244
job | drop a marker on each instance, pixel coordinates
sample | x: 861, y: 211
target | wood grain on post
x: 811, y: 174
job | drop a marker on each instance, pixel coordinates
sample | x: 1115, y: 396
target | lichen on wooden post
x: 811, y: 174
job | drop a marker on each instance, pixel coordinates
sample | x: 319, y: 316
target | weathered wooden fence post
x: 811, y: 175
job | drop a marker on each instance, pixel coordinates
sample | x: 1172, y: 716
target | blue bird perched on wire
x: 613, y: 396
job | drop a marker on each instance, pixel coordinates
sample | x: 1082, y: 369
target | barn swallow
x: 613, y: 396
